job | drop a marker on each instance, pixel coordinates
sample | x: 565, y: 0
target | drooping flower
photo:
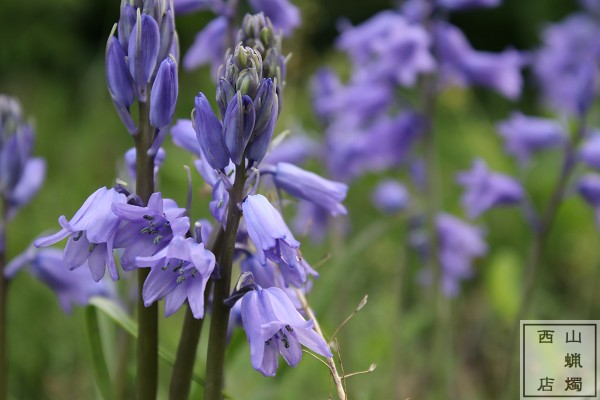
x: 273, y: 326
x: 179, y: 272
x: 388, y: 48
x: 590, y: 151
x: 147, y: 230
x: 21, y: 175
x: 525, y: 135
x: 47, y: 265
x: 567, y: 65
x: 390, y: 196
x: 461, y: 64
x: 311, y: 187
x: 268, y: 231
x: 485, y: 189
x: 459, y: 244
x: 91, y: 234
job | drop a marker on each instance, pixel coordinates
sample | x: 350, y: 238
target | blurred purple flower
x: 459, y: 244
x: 274, y: 326
x: 48, y: 265
x: 388, y: 48
x: 463, y: 65
x: 525, y: 135
x: 208, y: 47
x: 91, y: 234
x: 294, y: 150
x: 188, y: 6
x: 147, y: 230
x: 467, y: 4
x: 567, y: 64
x: 590, y: 151
x: 588, y: 187
x: 485, y: 189
x: 21, y: 176
x: 178, y: 272
x: 130, y: 160
x: 390, y: 197
x: 184, y: 136
x: 283, y: 14
x: 312, y: 220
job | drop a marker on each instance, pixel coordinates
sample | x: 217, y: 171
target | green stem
x: 183, y: 368
x: 147, y: 345
x: 217, y: 339
x: 3, y: 307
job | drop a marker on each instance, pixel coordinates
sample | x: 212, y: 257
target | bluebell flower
x: 390, y: 196
x: 524, y: 135
x: 47, y: 265
x: 147, y: 230
x: 459, y: 244
x: 91, y: 234
x: 179, y: 272
x: 467, y: 4
x: 311, y: 187
x: 461, y: 64
x: 208, y: 47
x: 311, y: 220
x: 188, y: 6
x: 273, y: 326
x: 184, y: 136
x: 485, y: 189
x: 268, y: 231
x: 566, y: 65
x: 590, y: 151
x: 21, y: 176
x: 295, y: 149
x: 283, y: 14
x: 387, y: 47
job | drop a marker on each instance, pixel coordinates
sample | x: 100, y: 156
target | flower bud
x: 238, y: 125
x: 167, y: 35
x: 209, y: 133
x: 118, y: 78
x: 143, y: 52
x: 126, y: 23
x: 164, y: 94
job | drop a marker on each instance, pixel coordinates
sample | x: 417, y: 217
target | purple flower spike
x: 148, y: 229
x: 311, y: 187
x: 143, y: 49
x: 163, y: 97
x: 486, y: 189
x: 268, y: 231
x: 273, y: 326
x: 209, y: 133
x: 390, y: 197
x: 180, y: 271
x: 91, y: 234
x: 525, y: 135
x: 118, y: 78
x: 467, y: 4
x: 48, y: 266
x: 459, y: 244
x: 208, y: 46
x: 283, y: 14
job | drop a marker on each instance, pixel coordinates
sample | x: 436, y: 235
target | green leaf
x: 100, y: 368
x: 114, y: 311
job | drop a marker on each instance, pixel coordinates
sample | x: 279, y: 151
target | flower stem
x: 217, y: 339
x: 3, y: 306
x: 540, y: 235
x: 183, y: 368
x: 147, y: 345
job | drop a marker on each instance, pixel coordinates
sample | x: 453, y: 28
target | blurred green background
x: 52, y: 59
